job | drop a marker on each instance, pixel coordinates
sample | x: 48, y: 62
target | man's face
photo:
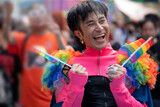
x: 95, y: 31
x: 148, y: 30
x: 38, y: 16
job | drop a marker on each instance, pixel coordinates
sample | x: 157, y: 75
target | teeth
x: 99, y: 36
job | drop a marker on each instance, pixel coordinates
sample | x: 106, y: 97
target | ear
x: 78, y: 34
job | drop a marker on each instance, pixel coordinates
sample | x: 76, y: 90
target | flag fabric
x: 128, y: 49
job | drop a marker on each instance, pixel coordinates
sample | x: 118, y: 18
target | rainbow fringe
x: 52, y: 75
x: 142, y: 71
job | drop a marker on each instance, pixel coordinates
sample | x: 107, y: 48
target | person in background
x: 9, y: 71
x: 114, y: 42
x: 153, y: 17
x: 43, y: 32
x: 131, y: 31
x: 60, y: 19
x: 149, y: 28
x: 118, y: 33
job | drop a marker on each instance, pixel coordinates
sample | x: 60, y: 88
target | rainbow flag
x: 128, y: 49
x: 41, y: 51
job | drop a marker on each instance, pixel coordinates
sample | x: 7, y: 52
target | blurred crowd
x: 21, y: 68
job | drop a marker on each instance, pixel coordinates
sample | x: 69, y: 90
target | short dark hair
x: 80, y: 13
x: 152, y: 17
x: 141, y: 24
x: 132, y: 23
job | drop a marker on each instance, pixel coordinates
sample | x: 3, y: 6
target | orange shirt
x: 33, y: 64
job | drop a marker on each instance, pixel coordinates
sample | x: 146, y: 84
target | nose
x: 99, y: 27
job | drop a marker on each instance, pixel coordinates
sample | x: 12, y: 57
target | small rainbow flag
x: 128, y: 49
x: 41, y: 51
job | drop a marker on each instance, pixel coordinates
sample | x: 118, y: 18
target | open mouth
x: 99, y: 37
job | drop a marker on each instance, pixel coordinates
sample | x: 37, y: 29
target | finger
x: 117, y: 65
x: 117, y: 74
x: 120, y: 67
x: 74, y: 67
x: 83, y: 69
x: 79, y: 69
x: 86, y: 73
x: 112, y: 70
x: 113, y: 66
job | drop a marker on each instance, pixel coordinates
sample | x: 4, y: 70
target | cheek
x: 87, y: 41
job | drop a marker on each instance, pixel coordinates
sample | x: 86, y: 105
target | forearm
x: 7, y: 30
x: 74, y: 97
x: 7, y: 23
x: 122, y: 95
x: 60, y: 42
x: 72, y: 94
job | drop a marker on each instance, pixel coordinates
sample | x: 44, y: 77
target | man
x: 89, y: 85
x: 32, y: 64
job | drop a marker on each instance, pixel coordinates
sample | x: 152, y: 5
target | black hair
x: 152, y: 17
x: 141, y: 24
x: 132, y: 23
x: 80, y: 13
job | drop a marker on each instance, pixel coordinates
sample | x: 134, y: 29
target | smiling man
x: 96, y: 35
x: 89, y: 85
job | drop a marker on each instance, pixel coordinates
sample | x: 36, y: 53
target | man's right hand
x: 79, y: 69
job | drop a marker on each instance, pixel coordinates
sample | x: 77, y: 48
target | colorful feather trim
x: 142, y: 71
x: 52, y: 75
x: 139, y: 73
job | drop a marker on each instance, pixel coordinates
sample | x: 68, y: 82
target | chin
x: 100, y: 47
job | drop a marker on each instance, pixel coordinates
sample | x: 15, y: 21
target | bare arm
x: 6, y: 23
x: 55, y: 29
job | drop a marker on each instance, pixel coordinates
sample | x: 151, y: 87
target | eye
x: 102, y: 21
x: 90, y: 24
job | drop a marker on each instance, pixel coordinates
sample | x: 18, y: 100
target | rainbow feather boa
x: 143, y: 71
x: 52, y: 75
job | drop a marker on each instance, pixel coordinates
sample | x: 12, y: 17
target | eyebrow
x: 90, y: 21
x: 101, y: 17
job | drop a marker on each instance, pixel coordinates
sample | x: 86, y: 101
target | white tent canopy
x: 134, y: 10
